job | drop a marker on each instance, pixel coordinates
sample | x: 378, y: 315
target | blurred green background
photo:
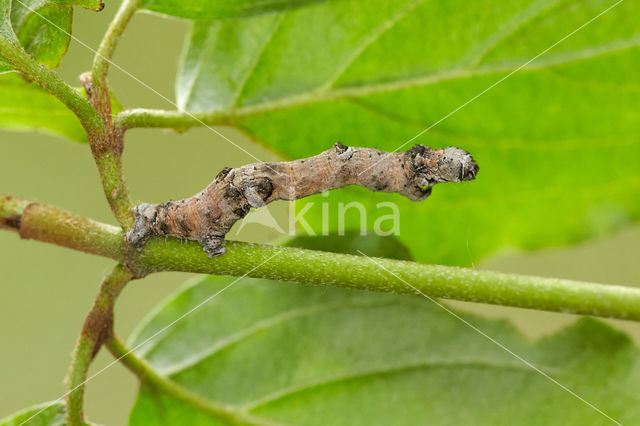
x: 46, y: 290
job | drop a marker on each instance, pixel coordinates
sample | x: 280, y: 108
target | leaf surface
x: 52, y: 414
x: 553, y: 140
x: 206, y: 9
x: 6, y: 30
x: 43, y: 29
x: 26, y: 106
x: 292, y: 354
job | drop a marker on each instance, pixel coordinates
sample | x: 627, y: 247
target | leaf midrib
x: 287, y: 392
x: 260, y: 325
x: 256, y: 60
x: 519, y: 22
x: 370, y: 39
x: 290, y: 315
x: 355, y: 91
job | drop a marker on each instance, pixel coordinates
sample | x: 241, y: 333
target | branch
x: 107, y: 149
x: 38, y: 221
x: 177, y: 120
x: 97, y: 328
x: 50, y: 224
x: 109, y: 42
x: 149, y: 377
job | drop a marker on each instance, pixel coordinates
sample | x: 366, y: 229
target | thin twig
x: 109, y: 42
x: 97, y: 328
x: 107, y: 151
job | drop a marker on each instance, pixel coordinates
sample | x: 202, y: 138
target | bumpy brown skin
x: 209, y: 215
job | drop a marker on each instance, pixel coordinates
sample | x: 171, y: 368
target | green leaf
x: 26, y: 106
x: 6, y: 30
x: 53, y: 414
x: 554, y: 141
x: 293, y: 354
x: 43, y: 28
x: 96, y: 5
x: 206, y: 9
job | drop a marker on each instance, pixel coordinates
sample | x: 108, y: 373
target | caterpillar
x: 209, y: 215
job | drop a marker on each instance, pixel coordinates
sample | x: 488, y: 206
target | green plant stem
x: 149, y: 377
x: 178, y: 120
x: 107, y: 151
x: 109, y: 42
x: 50, y: 224
x: 98, y: 327
x: 52, y: 83
x: 81, y: 358
x: 115, y: 187
x: 11, y: 209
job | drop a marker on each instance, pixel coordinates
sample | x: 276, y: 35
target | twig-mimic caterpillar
x: 209, y: 215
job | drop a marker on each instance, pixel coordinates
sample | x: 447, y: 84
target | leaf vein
x: 258, y: 327
x: 289, y: 391
x: 373, y: 88
x: 243, y: 84
x: 518, y: 23
x: 370, y: 39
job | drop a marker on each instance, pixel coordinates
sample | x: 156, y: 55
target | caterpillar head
x: 430, y: 166
x: 144, y: 216
x: 456, y: 165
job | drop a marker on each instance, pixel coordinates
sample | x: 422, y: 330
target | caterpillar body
x: 209, y: 215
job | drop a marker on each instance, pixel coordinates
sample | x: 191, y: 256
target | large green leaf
x: 293, y: 354
x: 26, y: 106
x: 556, y: 142
x: 47, y: 414
x: 207, y: 9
